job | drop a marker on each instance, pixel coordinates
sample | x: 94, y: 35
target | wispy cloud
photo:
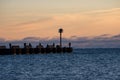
x: 33, y: 21
x: 104, y: 11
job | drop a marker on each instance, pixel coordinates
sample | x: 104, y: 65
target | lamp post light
x: 60, y: 31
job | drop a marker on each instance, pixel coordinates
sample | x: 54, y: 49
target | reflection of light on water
x: 81, y: 64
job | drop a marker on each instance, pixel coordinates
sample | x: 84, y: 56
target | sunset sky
x: 42, y: 18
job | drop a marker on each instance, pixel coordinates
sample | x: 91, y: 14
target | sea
x: 81, y: 64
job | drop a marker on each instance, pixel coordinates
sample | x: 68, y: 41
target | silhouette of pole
x: 60, y: 31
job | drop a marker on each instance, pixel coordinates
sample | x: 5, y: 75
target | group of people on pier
x: 28, y: 49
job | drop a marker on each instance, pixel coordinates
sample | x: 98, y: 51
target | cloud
x: 2, y: 39
x: 34, y: 21
x: 105, y: 11
x: 98, y: 42
x: 116, y: 36
x: 102, y: 41
x: 31, y: 39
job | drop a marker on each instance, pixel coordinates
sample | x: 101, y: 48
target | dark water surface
x: 82, y: 64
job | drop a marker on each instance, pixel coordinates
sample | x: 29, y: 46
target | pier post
x: 10, y: 45
x: 60, y: 31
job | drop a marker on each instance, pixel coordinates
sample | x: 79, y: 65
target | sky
x: 42, y: 18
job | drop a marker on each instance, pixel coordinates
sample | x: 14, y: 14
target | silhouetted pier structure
x: 39, y: 49
x: 28, y: 49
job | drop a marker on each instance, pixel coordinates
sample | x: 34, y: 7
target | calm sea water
x: 82, y: 64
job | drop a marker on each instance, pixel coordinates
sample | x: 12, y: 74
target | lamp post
x: 60, y: 31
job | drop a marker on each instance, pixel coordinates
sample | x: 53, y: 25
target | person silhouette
x: 69, y: 44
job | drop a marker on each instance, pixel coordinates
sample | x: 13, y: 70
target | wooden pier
x: 39, y: 49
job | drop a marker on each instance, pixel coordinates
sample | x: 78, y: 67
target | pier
x: 28, y: 49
